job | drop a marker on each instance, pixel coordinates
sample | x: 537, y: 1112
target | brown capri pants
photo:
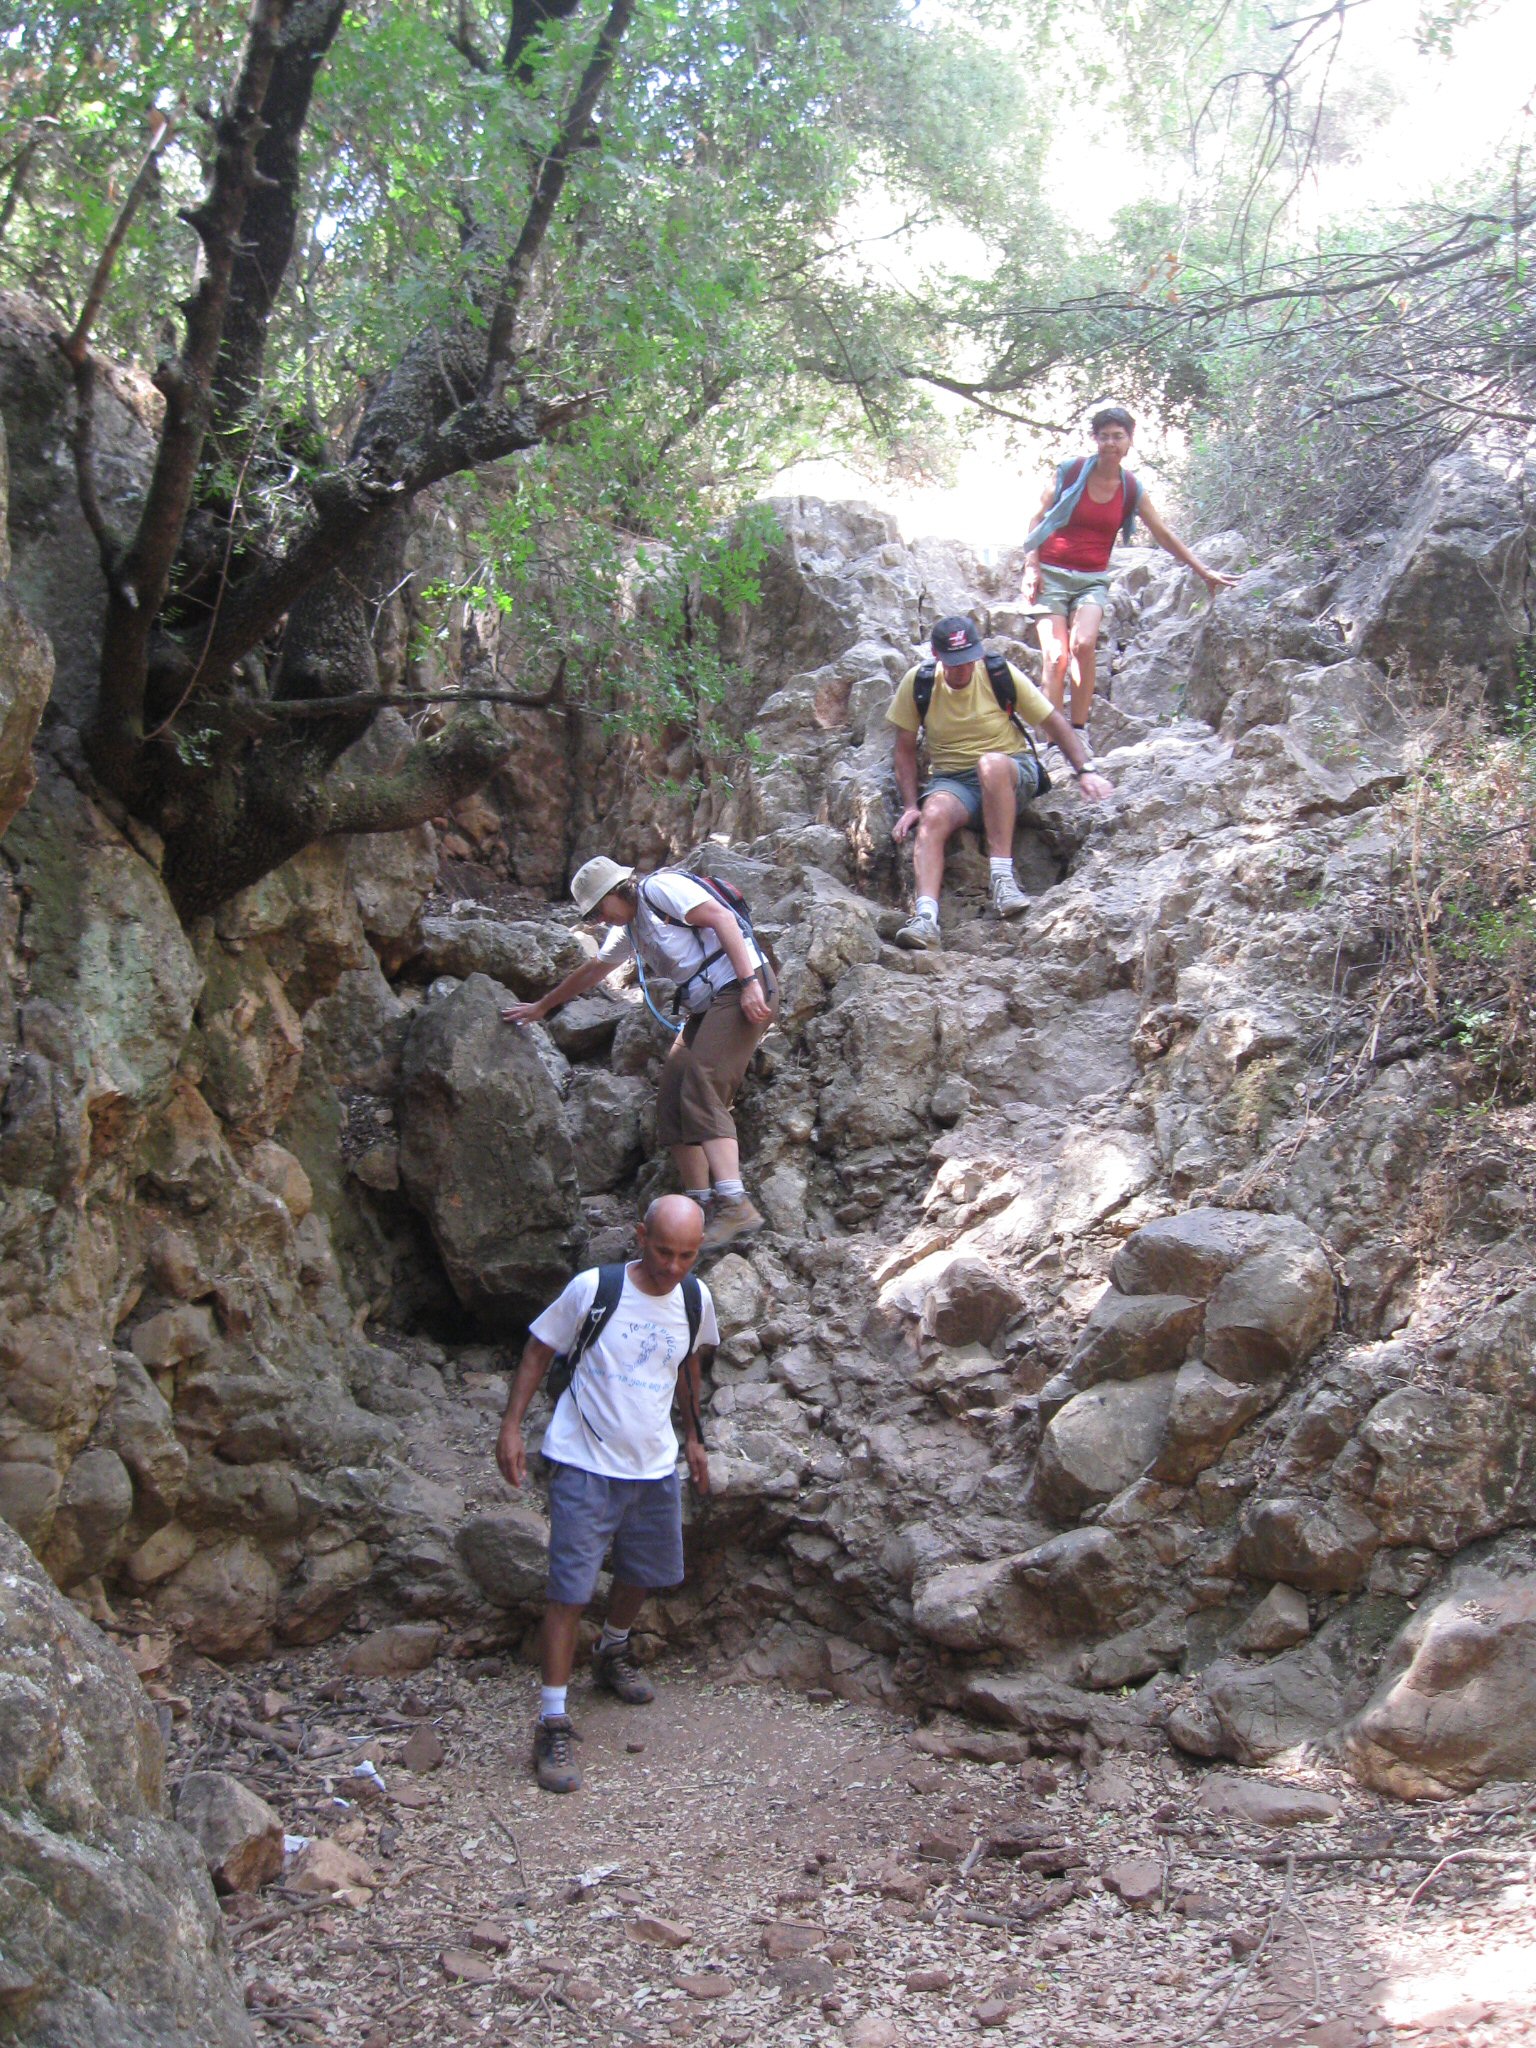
x: 705, y: 1066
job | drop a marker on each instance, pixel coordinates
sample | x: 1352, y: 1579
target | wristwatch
x: 1089, y: 767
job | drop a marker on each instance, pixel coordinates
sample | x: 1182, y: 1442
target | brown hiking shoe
x: 615, y: 1670
x: 553, y: 1765
x: 729, y: 1221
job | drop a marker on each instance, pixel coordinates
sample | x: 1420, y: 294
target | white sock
x: 1000, y: 867
x: 731, y: 1190
x: 928, y: 906
x: 699, y: 1195
x: 611, y: 1637
x: 551, y: 1701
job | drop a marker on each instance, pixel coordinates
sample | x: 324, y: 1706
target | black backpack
x: 610, y: 1285
x: 1000, y: 676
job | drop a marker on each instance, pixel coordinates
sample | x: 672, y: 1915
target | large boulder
x: 1128, y: 1336
x: 1457, y: 1701
x: 484, y: 1153
x: 1102, y: 1440
x: 112, y: 1935
x: 26, y: 674
x: 1191, y: 1253
x: 1321, y: 1546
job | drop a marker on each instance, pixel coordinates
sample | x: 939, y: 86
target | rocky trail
x: 746, y: 1866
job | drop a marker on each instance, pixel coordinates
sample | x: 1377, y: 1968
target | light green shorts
x: 1063, y: 590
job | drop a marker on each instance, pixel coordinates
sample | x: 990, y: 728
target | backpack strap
x: 1132, y: 503
x: 693, y: 1307
x: 610, y: 1285
x: 922, y: 689
x: 707, y: 958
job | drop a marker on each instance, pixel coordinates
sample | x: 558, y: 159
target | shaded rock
x: 659, y: 1933
x: 275, y: 1168
x: 1456, y: 1706
x: 609, y: 1119
x: 1085, y: 1578
x: 394, y: 1652
x: 91, y: 1519
x: 484, y: 1153
x: 1102, y: 1440
x: 1191, y: 1253
x: 251, y: 1040
x: 978, y: 1606
x: 423, y: 1750
x: 1268, y: 1314
x: 173, y: 1336
x: 1262, y: 1710
x: 223, y: 1602
x: 739, y: 1294
x: 1138, y: 1880
x: 586, y: 1027
x: 325, y: 1866
x: 1320, y: 1546
x: 1206, y: 1412
x: 1266, y: 1805
x: 240, y: 1837
x: 1443, y: 1472
x: 1128, y: 1336
x: 109, y: 1912
x: 507, y: 1555
x: 967, y: 1304
x: 26, y: 677
x: 526, y: 958
x: 705, y: 1984
x: 1054, y: 1715
x: 1280, y: 1620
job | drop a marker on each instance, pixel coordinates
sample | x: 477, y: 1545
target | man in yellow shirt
x: 981, y: 762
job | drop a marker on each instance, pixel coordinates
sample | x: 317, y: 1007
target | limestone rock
x: 1268, y: 1805
x: 978, y: 1607
x: 1054, y: 1715
x: 1457, y: 1703
x: 507, y: 1555
x: 240, y: 1837
x: 223, y: 1601
x: 967, y: 1304
x: 394, y: 1652
x: 484, y: 1153
x: 1268, y: 1314
x: 1138, y: 1880
x: 526, y: 958
x: 1206, y: 1412
x: 26, y: 677
x: 1191, y: 1253
x: 609, y: 1118
x: 585, y: 1028
x: 91, y: 1519
x: 110, y: 1913
x: 1320, y: 1546
x: 1280, y: 1621
x: 325, y: 1866
x: 1128, y: 1336
x: 1102, y: 1440
x: 1085, y: 1578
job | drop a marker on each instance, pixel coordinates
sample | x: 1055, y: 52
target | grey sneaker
x: 1008, y: 899
x: 615, y: 1670
x: 553, y: 1764
x: 730, y: 1220
x: 920, y: 934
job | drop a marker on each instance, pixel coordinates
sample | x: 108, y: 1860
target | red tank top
x: 1088, y: 538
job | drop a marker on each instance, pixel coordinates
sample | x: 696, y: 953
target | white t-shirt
x: 675, y: 950
x: 616, y: 1415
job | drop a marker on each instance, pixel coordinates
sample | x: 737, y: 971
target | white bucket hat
x: 599, y: 877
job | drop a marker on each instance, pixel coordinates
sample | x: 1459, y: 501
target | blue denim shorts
x: 641, y: 1518
x: 967, y: 786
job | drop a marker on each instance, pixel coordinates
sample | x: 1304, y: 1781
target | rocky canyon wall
x: 1130, y: 1317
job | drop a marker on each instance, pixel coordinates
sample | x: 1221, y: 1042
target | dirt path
x: 829, y: 1881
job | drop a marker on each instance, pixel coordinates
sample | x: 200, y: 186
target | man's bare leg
x: 942, y: 817
x: 999, y: 802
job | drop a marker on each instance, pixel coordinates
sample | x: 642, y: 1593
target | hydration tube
x: 645, y: 990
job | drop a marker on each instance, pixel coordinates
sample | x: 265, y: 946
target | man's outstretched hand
x: 905, y: 822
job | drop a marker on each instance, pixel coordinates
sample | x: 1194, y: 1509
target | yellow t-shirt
x: 965, y: 724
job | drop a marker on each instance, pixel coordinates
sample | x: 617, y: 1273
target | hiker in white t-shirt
x: 612, y: 1457
x: 680, y: 929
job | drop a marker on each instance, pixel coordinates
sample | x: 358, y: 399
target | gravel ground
x: 745, y: 1866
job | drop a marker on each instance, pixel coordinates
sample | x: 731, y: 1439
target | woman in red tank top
x: 1069, y: 569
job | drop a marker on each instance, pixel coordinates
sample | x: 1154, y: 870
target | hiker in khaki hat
x: 685, y: 928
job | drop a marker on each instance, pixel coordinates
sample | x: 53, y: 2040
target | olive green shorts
x: 1063, y: 590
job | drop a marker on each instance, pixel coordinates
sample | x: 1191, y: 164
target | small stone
x: 240, y: 1837
x: 1265, y: 1805
x: 873, y: 2030
x: 661, y: 1933
x: 705, y: 1984
x: 789, y: 1938
x: 1280, y: 1621
x: 909, y: 1886
x: 1038, y: 1780
x: 1243, y: 1941
x: 1110, y: 1789
x: 927, y: 1778
x: 945, y: 1845
x: 634, y: 1748
x: 842, y: 1950
x: 412, y: 1795
x: 325, y: 1866
x: 1138, y: 1880
x: 929, y: 1980
x: 466, y: 1968
x: 485, y: 1934
x: 994, y: 2012
x: 581, y: 1991
x: 423, y: 1750
x: 394, y: 1652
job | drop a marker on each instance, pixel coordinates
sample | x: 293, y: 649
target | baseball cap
x: 955, y: 640
x: 591, y: 883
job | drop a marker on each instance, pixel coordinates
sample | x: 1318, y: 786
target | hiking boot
x: 728, y: 1221
x: 1008, y: 899
x: 920, y: 934
x: 615, y: 1670
x: 553, y: 1764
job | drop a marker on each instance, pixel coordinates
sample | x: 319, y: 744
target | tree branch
x: 547, y: 189
x: 76, y: 345
x: 431, y: 779
x: 529, y: 19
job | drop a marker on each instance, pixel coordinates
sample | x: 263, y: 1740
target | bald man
x: 611, y: 1452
